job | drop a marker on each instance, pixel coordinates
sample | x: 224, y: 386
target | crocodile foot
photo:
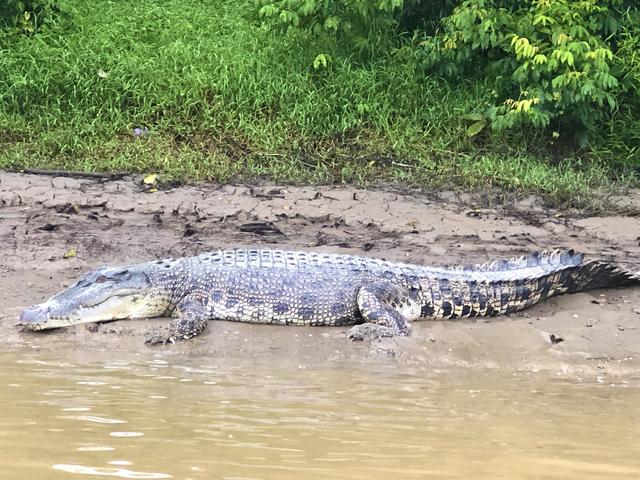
x: 159, y: 335
x: 370, y: 331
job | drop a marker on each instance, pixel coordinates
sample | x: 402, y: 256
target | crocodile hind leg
x: 387, y: 310
x: 192, y: 319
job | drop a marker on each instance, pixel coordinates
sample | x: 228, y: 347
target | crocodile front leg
x: 192, y: 319
x: 387, y: 310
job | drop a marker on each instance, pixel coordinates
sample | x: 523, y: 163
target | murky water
x: 149, y: 416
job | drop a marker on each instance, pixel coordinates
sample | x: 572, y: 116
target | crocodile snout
x: 34, y: 317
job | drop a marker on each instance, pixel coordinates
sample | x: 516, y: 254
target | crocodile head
x: 102, y: 295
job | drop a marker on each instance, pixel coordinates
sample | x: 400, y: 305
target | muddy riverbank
x: 52, y: 229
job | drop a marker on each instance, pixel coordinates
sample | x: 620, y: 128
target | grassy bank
x: 218, y: 97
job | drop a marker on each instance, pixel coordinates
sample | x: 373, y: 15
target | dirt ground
x: 123, y: 221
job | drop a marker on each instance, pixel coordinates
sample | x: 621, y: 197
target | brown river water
x: 147, y: 415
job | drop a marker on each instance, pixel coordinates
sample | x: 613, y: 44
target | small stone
x: 140, y: 132
x: 92, y: 327
x: 555, y: 339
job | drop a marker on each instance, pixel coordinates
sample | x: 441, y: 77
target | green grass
x: 224, y: 98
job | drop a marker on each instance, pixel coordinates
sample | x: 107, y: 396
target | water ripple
x: 107, y: 472
x: 94, y: 419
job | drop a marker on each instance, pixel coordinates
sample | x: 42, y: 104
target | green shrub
x: 549, y: 61
x: 358, y: 23
x: 355, y: 20
x: 425, y: 15
x: 620, y: 132
x: 561, y: 65
x: 27, y: 16
x: 319, y: 17
x: 627, y: 65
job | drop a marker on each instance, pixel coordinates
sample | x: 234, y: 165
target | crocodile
x: 376, y: 298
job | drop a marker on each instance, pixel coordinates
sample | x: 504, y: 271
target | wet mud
x: 52, y: 229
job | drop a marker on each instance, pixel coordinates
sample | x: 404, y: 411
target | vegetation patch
x: 228, y: 89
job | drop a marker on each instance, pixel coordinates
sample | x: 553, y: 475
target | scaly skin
x: 297, y: 288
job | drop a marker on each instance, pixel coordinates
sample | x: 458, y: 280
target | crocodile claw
x: 161, y: 335
x: 372, y: 331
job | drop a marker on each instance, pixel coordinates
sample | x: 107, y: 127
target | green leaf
x: 267, y: 11
x: 150, y: 179
x: 331, y: 23
x: 568, y: 57
x: 475, y: 128
x: 321, y: 60
x: 473, y: 117
x: 492, y: 112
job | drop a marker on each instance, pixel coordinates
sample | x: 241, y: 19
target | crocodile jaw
x: 49, y: 314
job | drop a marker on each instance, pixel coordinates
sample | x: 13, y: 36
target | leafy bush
x: 557, y: 64
x: 550, y: 61
x: 353, y: 20
x: 330, y: 15
x: 425, y: 15
x: 627, y: 59
x: 621, y: 132
x: 27, y: 16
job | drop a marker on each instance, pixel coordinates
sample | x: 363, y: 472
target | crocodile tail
x: 577, y: 274
x: 496, y: 290
x: 598, y: 274
x: 517, y: 294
